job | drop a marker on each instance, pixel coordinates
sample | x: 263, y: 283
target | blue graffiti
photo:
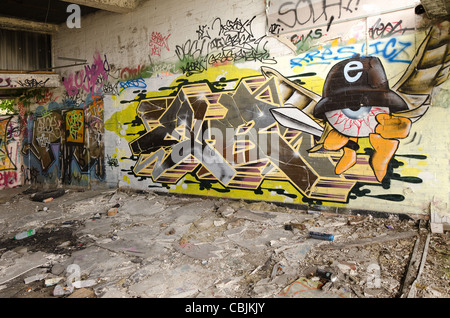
x: 390, y: 49
x: 135, y: 83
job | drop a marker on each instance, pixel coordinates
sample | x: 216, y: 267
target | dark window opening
x: 24, y: 51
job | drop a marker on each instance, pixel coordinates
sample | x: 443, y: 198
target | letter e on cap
x: 353, y: 66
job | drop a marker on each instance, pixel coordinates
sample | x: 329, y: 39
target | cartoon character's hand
x: 392, y: 127
x: 384, y: 141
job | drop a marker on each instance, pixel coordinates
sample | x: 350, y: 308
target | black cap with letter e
x: 355, y: 83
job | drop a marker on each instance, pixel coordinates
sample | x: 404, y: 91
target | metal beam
x: 27, y: 25
x: 117, y: 6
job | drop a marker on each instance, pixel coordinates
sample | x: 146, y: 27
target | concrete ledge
x: 29, y: 80
x: 26, y: 25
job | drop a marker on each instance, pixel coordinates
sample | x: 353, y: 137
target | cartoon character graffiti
x: 358, y: 102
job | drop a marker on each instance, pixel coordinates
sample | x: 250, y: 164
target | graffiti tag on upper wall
x: 157, y: 42
x: 287, y: 16
x: 222, y: 42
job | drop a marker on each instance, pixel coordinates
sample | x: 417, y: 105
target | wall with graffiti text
x: 316, y: 103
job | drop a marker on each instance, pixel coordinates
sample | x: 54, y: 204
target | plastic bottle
x: 322, y: 236
x: 25, y: 234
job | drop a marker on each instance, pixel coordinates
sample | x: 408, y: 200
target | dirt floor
x: 126, y: 244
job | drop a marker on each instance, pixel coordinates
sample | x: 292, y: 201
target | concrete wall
x: 180, y: 97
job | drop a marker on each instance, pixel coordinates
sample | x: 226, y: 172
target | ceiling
x: 54, y: 11
x: 46, y: 11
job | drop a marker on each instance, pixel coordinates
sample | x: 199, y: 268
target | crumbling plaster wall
x: 174, y: 94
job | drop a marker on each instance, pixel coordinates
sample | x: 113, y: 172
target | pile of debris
x: 145, y: 244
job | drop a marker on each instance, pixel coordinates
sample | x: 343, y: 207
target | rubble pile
x: 144, y: 244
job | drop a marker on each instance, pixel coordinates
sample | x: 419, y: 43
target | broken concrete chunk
x: 34, y: 278
x: 84, y: 283
x: 198, y: 250
x: 437, y: 228
x: 58, y: 269
x: 53, y: 281
x: 219, y: 223
x: 253, y: 215
x: 347, y: 267
x: 23, y: 265
x: 61, y: 290
x: 226, y: 211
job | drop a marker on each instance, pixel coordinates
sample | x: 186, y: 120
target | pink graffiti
x: 157, y: 42
x: 90, y: 79
x: 8, y: 179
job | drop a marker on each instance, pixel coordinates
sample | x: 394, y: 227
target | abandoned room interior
x: 259, y: 149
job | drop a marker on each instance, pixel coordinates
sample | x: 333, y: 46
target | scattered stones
x: 162, y: 246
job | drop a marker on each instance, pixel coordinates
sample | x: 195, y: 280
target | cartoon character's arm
x: 335, y: 141
x: 384, y: 141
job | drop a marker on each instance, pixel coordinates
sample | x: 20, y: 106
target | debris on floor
x: 120, y: 243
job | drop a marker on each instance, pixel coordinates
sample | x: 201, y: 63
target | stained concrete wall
x: 180, y: 97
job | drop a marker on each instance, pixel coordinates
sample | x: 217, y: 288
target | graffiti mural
x: 66, y: 144
x: 303, y: 138
x: 10, y: 159
x: 228, y: 139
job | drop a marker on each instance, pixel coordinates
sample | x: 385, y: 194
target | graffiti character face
x: 355, y: 122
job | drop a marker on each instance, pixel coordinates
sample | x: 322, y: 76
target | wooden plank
x: 371, y: 240
x: 412, y: 291
x: 412, y: 268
